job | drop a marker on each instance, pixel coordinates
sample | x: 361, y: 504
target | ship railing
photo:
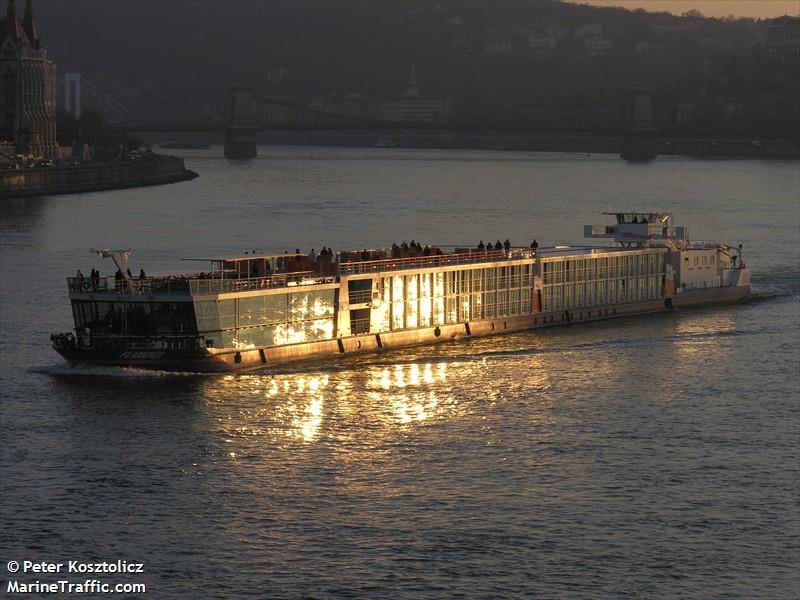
x: 702, y: 245
x: 200, y: 287
x: 360, y: 296
x: 185, y: 285
x: 358, y: 326
x: 152, y: 343
x: 437, y: 260
x: 132, y: 286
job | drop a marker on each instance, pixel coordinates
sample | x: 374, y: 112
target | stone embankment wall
x: 90, y: 177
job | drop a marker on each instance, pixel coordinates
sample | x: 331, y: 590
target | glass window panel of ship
x: 451, y: 309
x: 526, y: 299
x: 490, y: 279
x: 398, y: 303
x: 253, y: 337
x: 476, y: 307
x: 318, y: 329
x: 300, y: 306
x: 463, y: 308
x: 276, y: 308
x: 477, y: 280
x: 489, y: 305
x: 252, y: 311
x: 206, y: 315
x: 513, y: 302
x: 322, y: 303
x: 569, y: 297
x: 425, y: 300
x: 380, y: 317
x: 77, y: 315
x: 412, y: 307
x: 227, y: 314
x: 514, y: 279
x: 451, y: 283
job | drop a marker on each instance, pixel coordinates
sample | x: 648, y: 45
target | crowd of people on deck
x: 412, y: 249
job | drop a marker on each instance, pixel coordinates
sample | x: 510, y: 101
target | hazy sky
x: 711, y: 8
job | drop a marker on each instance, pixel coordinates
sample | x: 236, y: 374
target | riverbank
x: 94, y: 176
x: 706, y: 146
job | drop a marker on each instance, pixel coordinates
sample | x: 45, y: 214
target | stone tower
x: 27, y: 87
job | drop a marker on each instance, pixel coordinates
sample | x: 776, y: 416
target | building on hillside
x: 542, y: 41
x: 27, y: 88
x: 412, y: 108
x: 592, y: 39
x: 351, y: 107
x: 783, y: 36
x: 497, y: 41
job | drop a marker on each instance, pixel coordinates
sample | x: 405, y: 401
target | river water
x: 647, y: 457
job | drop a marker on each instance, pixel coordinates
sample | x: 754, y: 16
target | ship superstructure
x: 257, y: 311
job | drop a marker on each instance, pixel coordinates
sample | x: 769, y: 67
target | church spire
x: 412, y: 87
x: 29, y: 24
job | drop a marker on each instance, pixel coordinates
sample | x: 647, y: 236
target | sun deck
x: 249, y: 273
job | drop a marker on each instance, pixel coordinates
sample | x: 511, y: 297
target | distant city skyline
x: 758, y: 9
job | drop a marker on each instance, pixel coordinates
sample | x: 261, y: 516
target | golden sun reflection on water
x: 700, y: 333
x: 296, y: 406
x: 368, y: 404
x: 404, y: 389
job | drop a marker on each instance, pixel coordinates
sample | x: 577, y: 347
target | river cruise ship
x: 249, y: 312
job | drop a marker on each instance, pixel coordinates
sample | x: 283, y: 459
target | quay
x: 93, y: 176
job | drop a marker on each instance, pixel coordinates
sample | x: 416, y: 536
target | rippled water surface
x: 647, y: 457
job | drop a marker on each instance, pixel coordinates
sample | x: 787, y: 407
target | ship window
x: 251, y: 311
x: 276, y: 308
x: 207, y: 316
x: 252, y: 337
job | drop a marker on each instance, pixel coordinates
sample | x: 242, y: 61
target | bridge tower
x: 639, y: 144
x: 240, y: 134
x: 72, y: 94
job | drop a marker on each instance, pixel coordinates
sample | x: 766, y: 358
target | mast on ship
x: 113, y: 254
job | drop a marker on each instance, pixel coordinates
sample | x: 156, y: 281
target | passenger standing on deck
x: 498, y: 245
x: 141, y: 274
x: 507, y: 245
x: 481, y: 247
x: 312, y: 256
x: 534, y: 245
